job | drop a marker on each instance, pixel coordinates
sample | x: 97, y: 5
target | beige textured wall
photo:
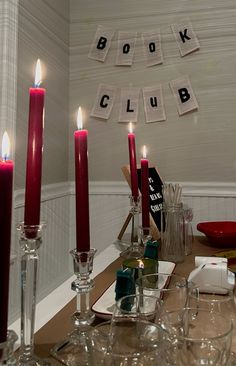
x: 196, y: 147
x: 44, y: 34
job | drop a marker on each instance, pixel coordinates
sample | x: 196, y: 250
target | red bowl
x: 219, y: 233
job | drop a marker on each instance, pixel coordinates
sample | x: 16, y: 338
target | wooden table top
x: 60, y: 325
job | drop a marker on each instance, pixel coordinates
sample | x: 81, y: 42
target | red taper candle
x: 34, y: 151
x: 81, y: 187
x: 132, y: 163
x: 145, y: 190
x: 6, y: 179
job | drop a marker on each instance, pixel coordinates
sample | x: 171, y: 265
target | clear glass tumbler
x: 222, y: 300
x: 196, y: 337
x: 172, y: 233
x: 171, y: 289
x: 127, y: 342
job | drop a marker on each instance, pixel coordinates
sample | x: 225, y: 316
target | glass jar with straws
x: 172, y: 224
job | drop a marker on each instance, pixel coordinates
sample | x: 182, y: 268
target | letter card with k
x: 185, y: 37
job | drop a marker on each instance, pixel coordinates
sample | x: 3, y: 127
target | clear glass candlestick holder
x: 145, y: 235
x: 75, y: 349
x: 136, y: 248
x: 30, y: 239
x: 7, y: 356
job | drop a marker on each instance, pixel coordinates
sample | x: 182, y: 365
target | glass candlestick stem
x: 135, y: 250
x: 74, y: 350
x: 30, y: 241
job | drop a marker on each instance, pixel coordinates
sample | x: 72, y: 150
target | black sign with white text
x: 155, y: 194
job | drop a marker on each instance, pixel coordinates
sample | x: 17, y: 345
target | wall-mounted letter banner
x: 129, y: 100
x: 125, y: 48
x: 101, y: 43
x: 104, y: 101
x: 184, y: 96
x: 152, y: 48
x: 153, y: 104
x: 186, y: 38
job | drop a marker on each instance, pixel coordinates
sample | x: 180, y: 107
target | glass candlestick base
x: 7, y: 356
x: 74, y: 350
x: 136, y: 248
x: 30, y: 239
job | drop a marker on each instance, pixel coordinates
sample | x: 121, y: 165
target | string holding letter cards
x: 152, y: 48
x: 101, y: 43
x: 104, y: 101
x: 186, y: 38
x: 153, y: 104
x: 184, y: 95
x: 129, y: 100
x: 125, y: 48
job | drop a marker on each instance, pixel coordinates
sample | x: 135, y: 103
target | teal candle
x: 124, y: 283
x: 141, y: 266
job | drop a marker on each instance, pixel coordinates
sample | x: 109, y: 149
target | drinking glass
x: 172, y: 240
x: 127, y: 342
x: 188, y: 230
x: 137, y: 306
x: 170, y: 289
x: 195, y: 337
x: 218, y: 299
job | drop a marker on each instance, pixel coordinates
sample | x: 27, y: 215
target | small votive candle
x: 140, y: 266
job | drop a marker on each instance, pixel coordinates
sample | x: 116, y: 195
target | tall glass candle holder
x: 7, y: 356
x: 74, y: 350
x: 30, y: 241
x: 136, y: 248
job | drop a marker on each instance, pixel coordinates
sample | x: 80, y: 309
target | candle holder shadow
x: 74, y: 350
x: 136, y: 248
x: 30, y: 239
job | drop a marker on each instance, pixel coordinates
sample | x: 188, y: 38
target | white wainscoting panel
x: 109, y: 206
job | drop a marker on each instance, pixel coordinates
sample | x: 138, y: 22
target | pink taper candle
x: 34, y: 151
x: 81, y: 187
x: 132, y: 163
x: 6, y: 179
x: 145, y: 190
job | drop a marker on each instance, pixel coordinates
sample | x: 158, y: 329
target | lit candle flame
x: 130, y: 127
x: 79, y: 119
x: 5, y: 146
x: 38, y: 74
x: 140, y: 263
x: 144, y: 152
